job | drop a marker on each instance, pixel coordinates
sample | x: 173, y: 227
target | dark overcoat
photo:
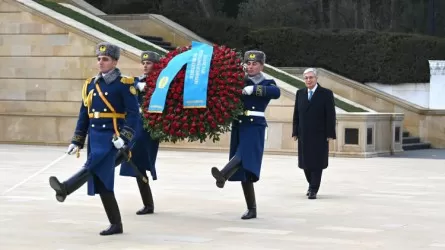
x: 313, y: 123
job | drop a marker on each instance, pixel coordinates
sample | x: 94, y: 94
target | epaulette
x: 272, y: 82
x: 84, y: 90
x: 127, y: 80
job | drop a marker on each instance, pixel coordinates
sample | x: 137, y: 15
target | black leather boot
x: 222, y: 176
x: 147, y: 198
x: 113, y: 214
x: 70, y: 185
x: 120, y: 157
x: 249, y: 195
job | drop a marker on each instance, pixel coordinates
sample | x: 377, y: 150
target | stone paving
x: 377, y: 203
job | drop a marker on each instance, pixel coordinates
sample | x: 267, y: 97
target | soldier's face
x: 147, y: 66
x: 254, y: 68
x: 106, y: 63
x: 310, y: 80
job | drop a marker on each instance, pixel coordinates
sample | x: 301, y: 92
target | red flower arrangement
x: 226, y: 81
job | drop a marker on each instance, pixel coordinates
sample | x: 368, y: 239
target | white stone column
x: 437, y: 84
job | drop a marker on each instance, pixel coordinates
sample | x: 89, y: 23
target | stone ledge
x: 380, y: 94
x: 74, y: 26
x: 110, y: 25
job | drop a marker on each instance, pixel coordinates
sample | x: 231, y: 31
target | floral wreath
x: 225, y: 84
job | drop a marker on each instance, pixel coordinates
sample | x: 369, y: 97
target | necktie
x: 310, y: 94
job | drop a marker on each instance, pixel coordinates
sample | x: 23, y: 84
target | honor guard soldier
x: 248, y: 132
x: 109, y: 114
x: 145, y: 149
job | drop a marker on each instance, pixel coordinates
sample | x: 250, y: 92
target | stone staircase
x: 413, y: 142
x: 158, y: 41
x: 409, y: 142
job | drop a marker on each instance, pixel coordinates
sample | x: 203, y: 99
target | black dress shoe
x: 308, y: 192
x: 249, y: 214
x: 312, y: 195
x: 145, y: 210
x: 113, y: 229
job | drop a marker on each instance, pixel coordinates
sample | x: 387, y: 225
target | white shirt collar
x: 313, y: 90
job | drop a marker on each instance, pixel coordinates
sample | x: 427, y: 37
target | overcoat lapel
x: 305, y: 100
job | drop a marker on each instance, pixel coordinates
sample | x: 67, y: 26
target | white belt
x: 253, y: 113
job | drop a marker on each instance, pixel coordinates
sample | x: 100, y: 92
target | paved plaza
x: 377, y: 203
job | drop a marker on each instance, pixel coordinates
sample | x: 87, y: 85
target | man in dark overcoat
x: 314, y: 123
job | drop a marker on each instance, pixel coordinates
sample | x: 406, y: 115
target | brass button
x: 251, y: 119
x: 93, y: 110
x: 105, y: 109
x: 240, y: 121
x: 94, y: 94
x: 106, y: 93
x: 92, y: 125
x: 103, y: 126
x: 253, y: 107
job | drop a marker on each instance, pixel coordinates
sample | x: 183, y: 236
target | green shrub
x: 364, y: 56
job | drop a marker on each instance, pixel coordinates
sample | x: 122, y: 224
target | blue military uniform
x: 109, y: 108
x: 117, y: 113
x: 248, y: 132
x: 248, y: 135
x: 145, y: 150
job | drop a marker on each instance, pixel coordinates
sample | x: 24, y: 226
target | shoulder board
x: 271, y: 82
x: 88, y: 80
x: 127, y: 80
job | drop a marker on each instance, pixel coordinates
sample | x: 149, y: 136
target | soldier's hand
x: 118, y: 142
x: 141, y: 86
x: 72, y: 149
x: 248, y: 90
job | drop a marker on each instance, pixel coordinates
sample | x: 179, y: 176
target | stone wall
x: 428, y: 124
x: 43, y: 66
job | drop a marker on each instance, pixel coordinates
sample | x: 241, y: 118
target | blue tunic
x: 145, y: 150
x: 248, y: 133
x: 107, y: 109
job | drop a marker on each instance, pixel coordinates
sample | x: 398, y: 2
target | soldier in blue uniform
x: 109, y: 114
x: 248, y: 132
x: 145, y: 150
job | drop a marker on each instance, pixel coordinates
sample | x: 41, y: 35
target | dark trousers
x: 313, y: 177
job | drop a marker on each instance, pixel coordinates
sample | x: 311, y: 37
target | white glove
x: 141, y: 86
x: 72, y: 149
x: 118, y: 142
x: 248, y: 90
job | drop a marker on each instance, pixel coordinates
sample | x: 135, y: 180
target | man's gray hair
x: 313, y: 70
